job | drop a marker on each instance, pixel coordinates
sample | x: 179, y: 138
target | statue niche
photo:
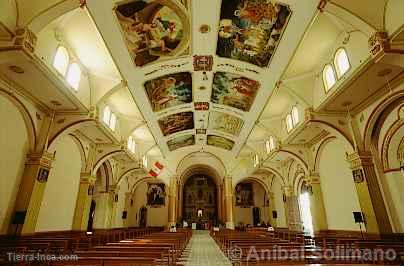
x: 200, y: 204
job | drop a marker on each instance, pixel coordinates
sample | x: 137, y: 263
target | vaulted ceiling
x: 213, y: 76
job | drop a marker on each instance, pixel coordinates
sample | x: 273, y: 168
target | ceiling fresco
x: 176, y: 122
x: 180, y: 142
x: 169, y: 90
x: 250, y: 30
x: 226, y: 123
x: 220, y: 142
x: 152, y: 29
x: 234, y: 90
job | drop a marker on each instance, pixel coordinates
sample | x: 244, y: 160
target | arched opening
x: 200, y: 201
x: 91, y: 216
x: 304, y: 204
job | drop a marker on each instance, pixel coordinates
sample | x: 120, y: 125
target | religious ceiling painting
x: 176, y: 122
x: 224, y: 122
x: 220, y: 142
x: 250, y: 30
x: 180, y: 142
x: 234, y: 90
x: 244, y: 195
x: 169, y: 90
x: 156, y: 194
x: 153, y: 29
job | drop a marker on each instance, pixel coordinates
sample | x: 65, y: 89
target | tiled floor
x: 203, y: 250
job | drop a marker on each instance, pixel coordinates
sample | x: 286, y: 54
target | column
x: 127, y: 208
x: 228, y: 193
x: 317, y: 208
x: 369, y: 194
x: 180, y: 192
x: 83, y: 202
x: 31, y: 191
x: 292, y: 209
x: 271, y: 209
x: 172, y: 199
x: 114, y: 198
x: 103, y: 211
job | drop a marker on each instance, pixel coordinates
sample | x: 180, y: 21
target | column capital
x: 358, y: 160
x: 43, y: 159
x: 312, y: 178
x: 379, y: 44
x: 287, y: 190
x: 87, y: 178
x: 25, y: 39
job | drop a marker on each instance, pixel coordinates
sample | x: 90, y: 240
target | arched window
x: 270, y: 144
x: 256, y: 160
x: 295, y: 115
x: 74, y: 75
x: 107, y: 115
x: 61, y: 60
x: 145, y: 161
x: 328, y: 77
x: 289, y: 122
x: 112, y: 122
x: 131, y: 144
x: 341, y: 62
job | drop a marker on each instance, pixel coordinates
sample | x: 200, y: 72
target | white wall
x: 395, y: 181
x: 245, y: 215
x: 14, y: 147
x: 338, y: 187
x: 155, y: 216
x: 61, y: 190
x: 279, y: 204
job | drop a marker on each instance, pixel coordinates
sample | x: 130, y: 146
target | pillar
x: 369, y: 194
x: 31, y: 192
x: 127, y: 208
x: 292, y: 209
x: 172, y: 200
x: 317, y: 208
x: 103, y: 211
x: 83, y: 202
x: 271, y: 209
x: 180, y: 193
x: 114, y: 198
x: 228, y: 193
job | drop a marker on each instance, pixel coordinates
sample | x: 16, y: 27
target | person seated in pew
x: 173, y: 229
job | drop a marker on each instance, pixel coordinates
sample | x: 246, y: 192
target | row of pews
x: 257, y: 246
x: 131, y: 246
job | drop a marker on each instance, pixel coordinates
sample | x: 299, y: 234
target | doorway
x: 305, y: 213
x: 91, y: 216
x: 256, y: 216
x: 143, y: 217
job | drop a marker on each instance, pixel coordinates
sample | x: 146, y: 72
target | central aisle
x: 203, y: 250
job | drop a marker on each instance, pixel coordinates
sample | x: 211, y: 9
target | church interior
x: 186, y: 132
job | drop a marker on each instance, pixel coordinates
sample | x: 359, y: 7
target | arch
x: 211, y: 160
x: 143, y: 179
x: 51, y: 12
x: 200, y: 169
x: 379, y: 115
x: 319, y: 150
x: 29, y: 122
x: 255, y: 179
x: 336, y: 131
x: 69, y: 128
x: 384, y: 153
x: 296, y: 157
x: 106, y: 157
x: 82, y: 151
x: 274, y: 172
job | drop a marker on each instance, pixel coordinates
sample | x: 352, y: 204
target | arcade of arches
x: 152, y: 113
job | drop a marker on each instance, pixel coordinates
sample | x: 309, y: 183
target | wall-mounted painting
x: 153, y: 29
x: 220, y: 142
x: 176, y: 122
x: 244, y: 195
x: 224, y: 122
x: 169, y: 90
x: 250, y: 30
x: 156, y: 194
x: 180, y: 142
x: 234, y: 90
